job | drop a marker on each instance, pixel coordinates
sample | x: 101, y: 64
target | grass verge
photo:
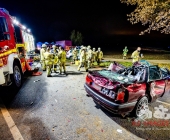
x: 128, y: 64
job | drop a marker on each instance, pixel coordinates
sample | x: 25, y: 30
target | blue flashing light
x: 4, y: 10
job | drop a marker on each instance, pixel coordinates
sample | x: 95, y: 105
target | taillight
x: 120, y: 96
x: 88, y: 80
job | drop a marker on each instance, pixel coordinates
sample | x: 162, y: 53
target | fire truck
x: 15, y: 41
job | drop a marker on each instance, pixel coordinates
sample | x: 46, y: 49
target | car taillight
x: 120, y: 96
x: 88, y: 80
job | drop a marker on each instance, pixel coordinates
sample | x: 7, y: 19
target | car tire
x: 17, y: 76
x: 140, y: 107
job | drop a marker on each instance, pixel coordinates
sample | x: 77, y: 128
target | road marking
x: 162, y: 102
x: 13, y: 128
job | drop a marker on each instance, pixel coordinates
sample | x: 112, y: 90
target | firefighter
x: 136, y: 55
x: 74, y: 55
x: 42, y: 51
x: 125, y: 51
x: 52, y: 49
x: 48, y: 61
x: 83, y: 59
x: 59, y: 49
x: 94, y: 55
x: 89, y: 56
x: 99, y: 56
x: 62, y: 60
x: 55, y: 58
x: 81, y: 47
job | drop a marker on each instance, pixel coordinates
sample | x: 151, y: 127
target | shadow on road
x: 74, y: 73
x: 7, y: 94
x: 34, y: 129
x: 65, y: 75
x: 31, y: 94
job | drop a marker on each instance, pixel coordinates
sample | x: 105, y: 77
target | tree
x: 76, y: 37
x: 155, y: 13
x: 79, y: 38
x: 73, y: 36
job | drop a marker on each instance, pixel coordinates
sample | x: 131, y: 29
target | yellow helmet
x: 44, y: 46
x: 84, y: 48
x: 89, y: 47
x: 54, y: 47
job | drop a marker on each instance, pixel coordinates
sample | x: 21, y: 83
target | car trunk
x: 105, y: 83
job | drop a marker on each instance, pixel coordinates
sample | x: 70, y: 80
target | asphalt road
x: 57, y: 108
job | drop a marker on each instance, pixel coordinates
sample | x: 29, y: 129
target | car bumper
x: 111, y: 106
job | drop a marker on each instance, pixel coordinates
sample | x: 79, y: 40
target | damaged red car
x: 123, y: 90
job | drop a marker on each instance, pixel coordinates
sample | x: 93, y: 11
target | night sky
x: 102, y: 23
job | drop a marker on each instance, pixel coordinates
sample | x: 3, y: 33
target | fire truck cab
x: 15, y: 41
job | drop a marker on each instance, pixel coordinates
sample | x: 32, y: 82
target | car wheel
x: 141, y: 107
x: 17, y: 76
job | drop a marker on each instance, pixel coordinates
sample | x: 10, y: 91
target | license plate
x: 105, y: 91
x: 96, y: 86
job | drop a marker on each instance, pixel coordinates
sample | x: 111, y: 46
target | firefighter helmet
x: 44, y: 46
x: 84, y: 48
x: 89, y: 47
x: 54, y: 47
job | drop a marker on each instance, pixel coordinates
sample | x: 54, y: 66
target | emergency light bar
x: 15, y: 22
x: 23, y: 27
x: 3, y: 9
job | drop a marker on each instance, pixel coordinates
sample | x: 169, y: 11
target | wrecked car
x: 124, y: 90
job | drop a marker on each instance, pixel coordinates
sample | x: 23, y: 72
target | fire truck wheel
x: 17, y: 76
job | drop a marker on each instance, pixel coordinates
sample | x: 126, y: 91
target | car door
x: 136, y: 91
x: 138, y: 88
x: 156, y: 82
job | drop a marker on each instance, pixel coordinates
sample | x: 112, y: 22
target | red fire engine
x: 15, y: 40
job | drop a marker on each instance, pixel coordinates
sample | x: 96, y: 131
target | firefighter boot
x: 43, y: 66
x: 48, y: 71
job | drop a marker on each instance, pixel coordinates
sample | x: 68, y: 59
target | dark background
x: 102, y: 23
